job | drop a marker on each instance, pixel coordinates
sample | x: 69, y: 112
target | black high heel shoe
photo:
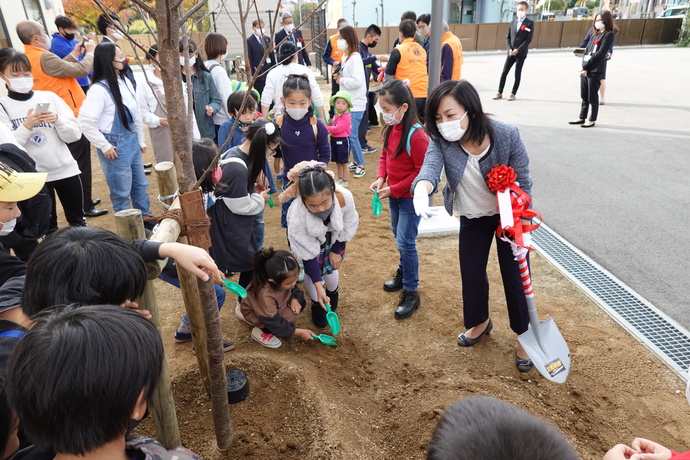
x: 465, y: 341
x: 577, y: 122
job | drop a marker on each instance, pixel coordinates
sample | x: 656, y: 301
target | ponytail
x: 270, y: 264
x: 260, y: 134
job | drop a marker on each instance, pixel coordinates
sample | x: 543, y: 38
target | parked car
x: 675, y: 11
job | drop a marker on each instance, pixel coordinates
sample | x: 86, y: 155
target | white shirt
x: 472, y: 196
x: 148, y: 103
x: 353, y: 81
x: 46, y: 143
x: 273, y: 90
x: 97, y: 113
x: 224, y: 87
x: 6, y: 136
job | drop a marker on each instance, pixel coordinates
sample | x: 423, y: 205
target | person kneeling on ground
x: 102, y: 365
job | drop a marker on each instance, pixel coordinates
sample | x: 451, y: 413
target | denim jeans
x: 404, y: 222
x: 356, y: 147
x: 125, y: 175
x: 220, y: 293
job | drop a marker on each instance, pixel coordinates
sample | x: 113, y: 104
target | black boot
x: 318, y: 315
x: 333, y: 295
x: 395, y: 284
x: 409, y: 302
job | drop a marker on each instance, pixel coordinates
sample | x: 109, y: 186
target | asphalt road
x: 619, y: 192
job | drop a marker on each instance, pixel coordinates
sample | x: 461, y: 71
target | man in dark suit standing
x: 257, y: 45
x: 518, y: 39
x: 295, y: 36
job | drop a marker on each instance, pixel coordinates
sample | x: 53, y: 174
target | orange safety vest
x: 336, y: 54
x: 412, y: 66
x: 67, y: 88
x: 455, y: 46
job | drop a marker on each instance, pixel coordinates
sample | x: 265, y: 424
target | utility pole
x: 354, y: 3
x: 270, y: 22
x: 377, y: 15
x: 382, y: 20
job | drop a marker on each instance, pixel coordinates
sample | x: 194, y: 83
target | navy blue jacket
x: 255, y: 51
x: 296, y: 38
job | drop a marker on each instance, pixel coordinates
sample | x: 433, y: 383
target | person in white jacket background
x: 151, y: 100
x: 111, y: 121
x: 215, y: 46
x: 351, y: 79
x: 43, y: 125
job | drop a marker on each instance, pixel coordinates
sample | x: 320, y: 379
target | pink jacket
x: 341, y: 125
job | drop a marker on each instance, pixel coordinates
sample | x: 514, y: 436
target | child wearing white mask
x: 467, y: 143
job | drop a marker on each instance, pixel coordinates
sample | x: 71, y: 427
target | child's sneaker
x: 352, y: 166
x: 359, y: 172
x: 266, y: 338
x: 368, y: 149
x: 279, y: 177
x: 344, y: 184
x: 238, y: 313
x: 181, y: 337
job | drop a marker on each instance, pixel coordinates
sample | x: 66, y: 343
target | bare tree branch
x: 141, y: 5
x: 193, y: 10
x: 153, y: 34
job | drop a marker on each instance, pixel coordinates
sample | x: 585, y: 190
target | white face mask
x: 342, y: 44
x: 192, y: 61
x: 289, y: 28
x: 117, y: 35
x: 21, y: 84
x: 257, y: 32
x: 7, y: 227
x: 599, y: 25
x: 46, y: 42
x: 296, y: 114
x: 521, y: 14
x: 389, y: 118
x: 451, y: 130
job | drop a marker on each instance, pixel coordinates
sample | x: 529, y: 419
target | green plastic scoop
x: 325, y: 339
x: 270, y: 201
x: 235, y: 288
x: 333, y: 320
x: 376, y: 204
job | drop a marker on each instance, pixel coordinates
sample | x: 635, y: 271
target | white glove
x: 518, y: 251
x: 420, y: 201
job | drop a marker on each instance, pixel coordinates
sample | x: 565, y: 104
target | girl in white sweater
x: 43, y: 125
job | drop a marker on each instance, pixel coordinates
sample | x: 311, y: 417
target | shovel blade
x: 547, y: 349
x: 326, y: 339
x: 235, y: 289
x: 333, y: 322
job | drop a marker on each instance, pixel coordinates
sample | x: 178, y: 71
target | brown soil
x: 378, y: 395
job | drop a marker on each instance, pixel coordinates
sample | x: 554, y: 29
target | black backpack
x: 35, y: 218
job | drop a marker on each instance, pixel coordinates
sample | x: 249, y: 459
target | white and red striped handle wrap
x: 524, y: 275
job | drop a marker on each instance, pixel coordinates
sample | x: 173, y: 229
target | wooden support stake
x: 166, y: 177
x: 130, y: 226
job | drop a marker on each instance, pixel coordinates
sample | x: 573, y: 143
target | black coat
x: 296, y: 38
x: 596, y: 64
x: 520, y: 39
x: 255, y: 52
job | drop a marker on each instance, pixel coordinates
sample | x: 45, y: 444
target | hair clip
x: 406, y: 82
x: 318, y: 166
x: 270, y: 128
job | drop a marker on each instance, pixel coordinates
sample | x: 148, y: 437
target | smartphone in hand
x: 42, y: 107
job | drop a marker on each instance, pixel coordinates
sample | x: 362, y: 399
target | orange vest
x: 455, y: 46
x: 336, y: 54
x: 412, y: 66
x: 66, y: 88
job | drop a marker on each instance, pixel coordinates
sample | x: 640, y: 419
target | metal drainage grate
x: 643, y: 320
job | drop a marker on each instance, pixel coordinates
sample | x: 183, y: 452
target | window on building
x: 33, y: 12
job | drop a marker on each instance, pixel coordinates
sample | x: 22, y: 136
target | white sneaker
x: 266, y: 338
x: 344, y: 184
x: 352, y: 166
x: 238, y: 313
x: 359, y: 172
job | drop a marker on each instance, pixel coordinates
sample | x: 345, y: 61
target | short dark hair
x: 256, y: 22
x: 82, y: 265
x: 64, y: 22
x: 523, y: 2
x: 408, y: 15
x: 204, y: 151
x: 349, y: 34
x: 106, y: 20
x: 215, y: 45
x: 6, y: 416
x: 373, y: 30
x: 340, y: 21
x: 234, y: 102
x: 408, y: 28
x: 77, y: 375
x: 16, y: 61
x: 465, y: 94
x: 276, y: 265
x: 425, y: 18
x: 484, y: 428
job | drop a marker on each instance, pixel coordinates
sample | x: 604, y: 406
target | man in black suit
x: 518, y: 39
x: 257, y: 45
x: 295, y: 36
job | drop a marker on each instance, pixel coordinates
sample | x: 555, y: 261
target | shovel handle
x: 525, y: 276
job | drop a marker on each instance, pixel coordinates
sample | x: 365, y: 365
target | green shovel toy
x: 376, y: 204
x: 325, y: 339
x: 235, y: 288
x: 332, y: 319
x: 270, y: 201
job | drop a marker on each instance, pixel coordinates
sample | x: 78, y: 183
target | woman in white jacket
x: 43, y: 125
x: 151, y: 100
x: 351, y: 79
x: 111, y: 121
